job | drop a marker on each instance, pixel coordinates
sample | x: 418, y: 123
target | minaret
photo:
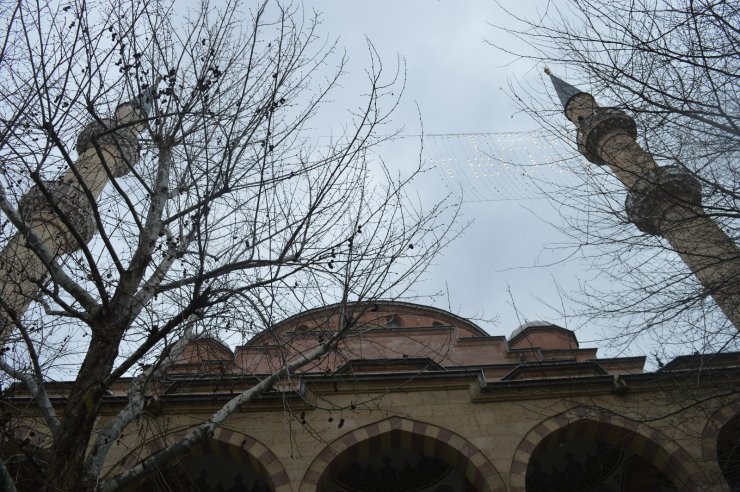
x: 662, y: 200
x: 60, y: 213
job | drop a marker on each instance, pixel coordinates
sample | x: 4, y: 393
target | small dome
x: 205, y: 348
x: 529, y: 324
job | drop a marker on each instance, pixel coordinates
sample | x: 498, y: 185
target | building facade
x: 418, y: 399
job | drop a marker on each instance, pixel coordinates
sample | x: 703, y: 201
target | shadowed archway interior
x: 595, y: 457
x: 728, y: 452
x: 398, y: 461
x: 214, y: 466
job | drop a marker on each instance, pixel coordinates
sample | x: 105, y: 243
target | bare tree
x: 196, y: 199
x: 674, y: 67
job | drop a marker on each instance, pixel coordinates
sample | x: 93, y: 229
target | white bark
x: 203, y: 430
x: 125, y: 292
x: 110, y: 432
x: 38, y: 393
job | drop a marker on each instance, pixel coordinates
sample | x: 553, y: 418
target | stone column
x: 662, y: 200
x: 60, y: 212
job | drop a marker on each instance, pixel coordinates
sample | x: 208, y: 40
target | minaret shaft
x: 107, y: 148
x: 662, y: 200
x: 626, y: 159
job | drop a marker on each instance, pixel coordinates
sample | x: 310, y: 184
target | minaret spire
x: 563, y: 89
x: 664, y: 201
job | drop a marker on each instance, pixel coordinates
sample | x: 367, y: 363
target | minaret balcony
x: 602, y: 123
x: 120, y: 141
x: 657, y: 193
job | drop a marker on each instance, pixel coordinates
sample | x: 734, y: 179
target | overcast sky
x: 458, y: 83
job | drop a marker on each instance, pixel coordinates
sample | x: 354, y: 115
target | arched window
x: 393, y: 321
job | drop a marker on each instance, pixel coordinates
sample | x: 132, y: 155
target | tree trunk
x: 65, y: 470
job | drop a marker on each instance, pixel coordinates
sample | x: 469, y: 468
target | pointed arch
x: 714, y: 425
x: 642, y: 440
x: 436, y: 441
x: 726, y: 415
x: 228, y: 444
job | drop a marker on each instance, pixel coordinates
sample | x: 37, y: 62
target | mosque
x: 419, y: 399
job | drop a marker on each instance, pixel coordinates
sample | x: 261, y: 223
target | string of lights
x: 501, y: 166
x: 481, y: 167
